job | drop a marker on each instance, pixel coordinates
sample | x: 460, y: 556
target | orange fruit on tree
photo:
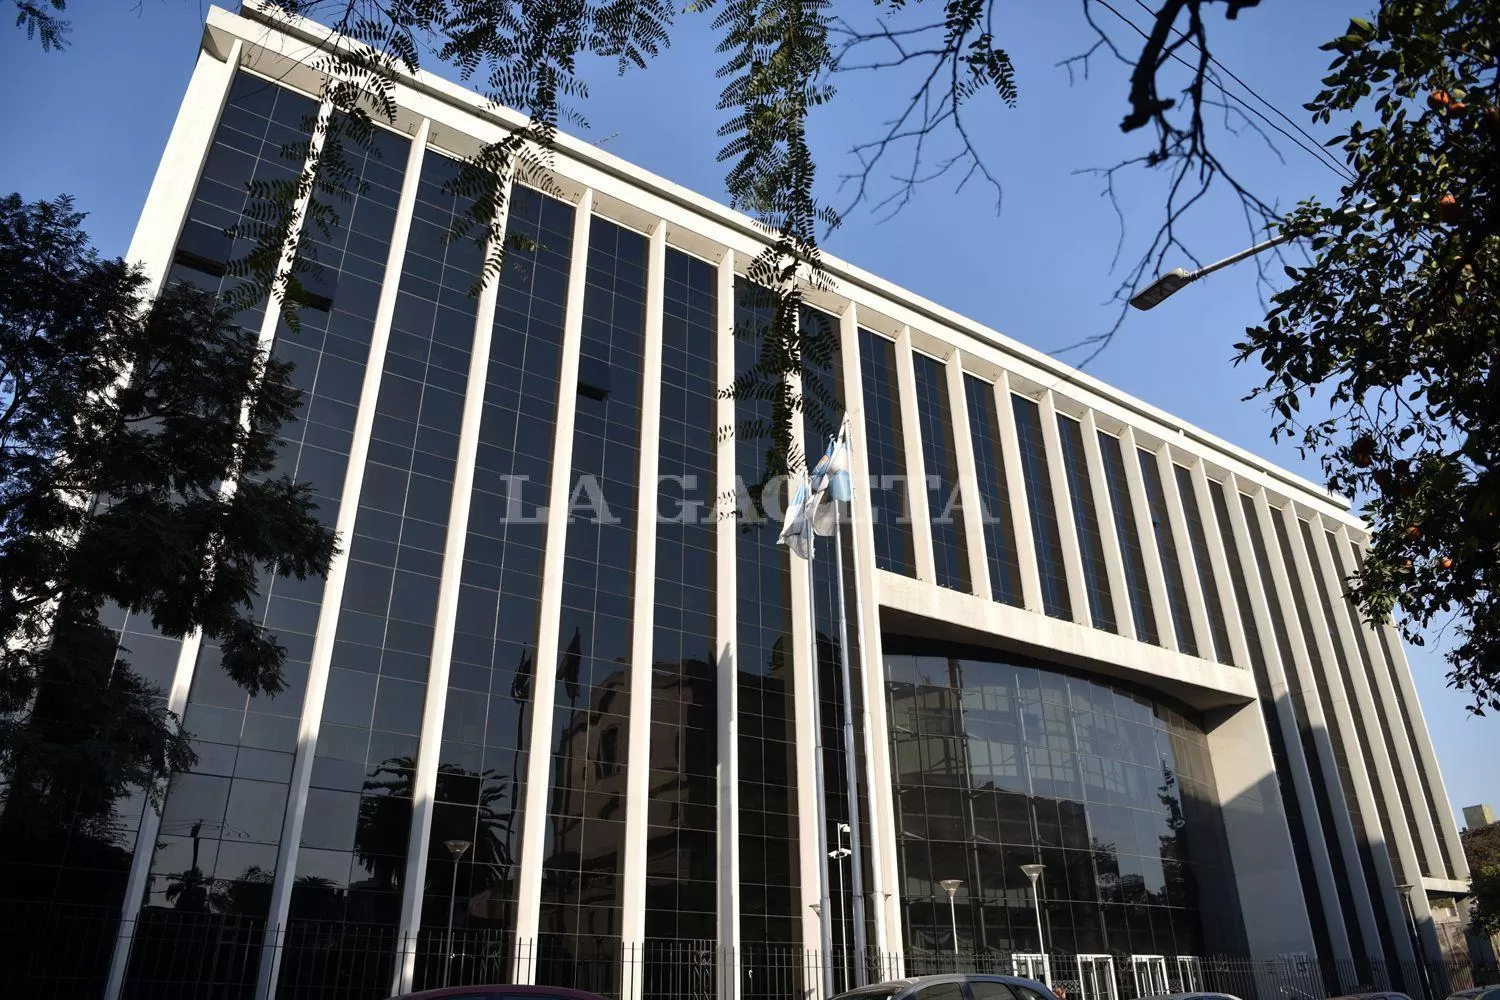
x: 1413, y: 532
x: 1447, y: 563
x: 1438, y: 100
x: 1449, y: 210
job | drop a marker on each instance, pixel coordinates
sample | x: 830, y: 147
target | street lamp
x: 839, y: 855
x: 457, y: 849
x: 1177, y: 279
x: 1416, y: 937
x: 1034, y: 872
x: 951, y: 886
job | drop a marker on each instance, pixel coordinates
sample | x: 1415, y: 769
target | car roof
x: 1195, y: 993
x: 510, y: 989
x: 912, y: 982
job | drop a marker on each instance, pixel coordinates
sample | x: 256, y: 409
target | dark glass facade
x: 1137, y: 585
x: 225, y: 824
x: 1166, y: 548
x: 682, y: 846
x: 1203, y: 561
x: 1000, y: 762
x: 770, y: 879
x: 886, y: 455
x: 950, y: 553
x: 579, y: 928
x: 487, y: 719
x: 1086, y: 524
x: 1044, y: 533
x: 994, y: 494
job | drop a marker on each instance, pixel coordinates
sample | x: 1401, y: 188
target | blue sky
x: 92, y: 121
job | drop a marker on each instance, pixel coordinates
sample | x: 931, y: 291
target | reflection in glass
x: 1044, y: 532
x: 994, y: 493
x: 885, y: 452
x: 1000, y: 762
x: 949, y: 548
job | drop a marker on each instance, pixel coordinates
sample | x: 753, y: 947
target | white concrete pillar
x: 638, y: 768
x: 338, y: 572
x: 726, y: 608
x: 1114, y: 551
x: 536, y: 790
x: 1278, y: 669
x: 1350, y: 714
x: 1020, y: 503
x: 1062, y: 503
x: 1353, y: 872
x: 445, y: 619
x: 884, y: 882
x: 1145, y: 529
x: 968, y: 477
x: 916, y: 482
x: 1197, y: 602
x: 151, y: 249
x: 1239, y: 650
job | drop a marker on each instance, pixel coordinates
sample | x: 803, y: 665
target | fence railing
x: 63, y: 953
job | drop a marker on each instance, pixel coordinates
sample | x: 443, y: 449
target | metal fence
x: 63, y: 953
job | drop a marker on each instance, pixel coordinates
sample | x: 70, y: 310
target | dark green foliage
x: 1482, y: 850
x: 121, y: 423
x: 1394, y: 322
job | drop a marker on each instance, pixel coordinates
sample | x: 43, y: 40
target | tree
x: 1482, y: 849
x: 1394, y: 321
x: 137, y: 441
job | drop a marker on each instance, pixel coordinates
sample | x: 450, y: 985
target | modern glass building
x: 564, y: 694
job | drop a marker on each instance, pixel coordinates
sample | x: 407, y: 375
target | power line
x: 1314, y: 150
x: 1253, y: 92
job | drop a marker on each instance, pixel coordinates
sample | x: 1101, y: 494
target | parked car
x: 960, y: 986
x: 1491, y: 992
x: 1372, y: 996
x: 501, y: 993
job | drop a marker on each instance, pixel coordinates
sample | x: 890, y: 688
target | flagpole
x: 851, y: 763
x: 825, y: 932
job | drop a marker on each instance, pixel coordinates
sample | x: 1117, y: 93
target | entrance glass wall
x: 1001, y: 762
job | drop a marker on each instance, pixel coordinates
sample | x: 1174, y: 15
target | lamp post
x: 457, y: 849
x: 839, y: 855
x: 1416, y: 937
x: 951, y: 886
x: 1034, y: 872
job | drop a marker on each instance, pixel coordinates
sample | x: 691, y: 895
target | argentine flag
x: 808, y: 513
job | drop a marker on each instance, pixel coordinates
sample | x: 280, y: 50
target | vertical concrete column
x: 638, y: 769
x: 1322, y: 850
x: 968, y: 477
x: 338, y: 573
x: 176, y: 179
x: 884, y: 881
x: 916, y: 481
x: 1447, y: 826
x: 1260, y: 846
x: 151, y: 248
x: 1020, y: 503
x: 535, y: 792
x: 726, y: 608
x: 1114, y: 554
x: 434, y: 708
x: 1426, y: 855
x: 1197, y: 602
x: 1353, y: 872
x: 1239, y: 649
x: 1280, y: 694
x: 807, y: 712
x: 1145, y: 529
x: 1062, y: 500
x: 1350, y: 715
